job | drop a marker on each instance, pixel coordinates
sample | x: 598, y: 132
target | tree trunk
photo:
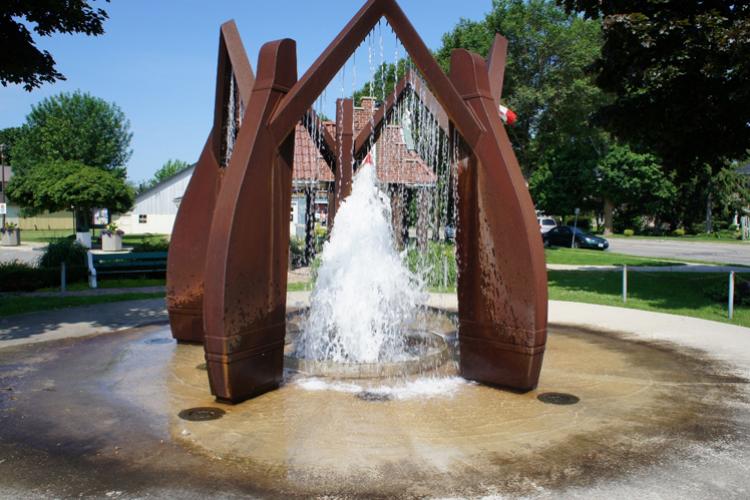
x: 309, y: 225
x: 709, y: 214
x: 609, y: 208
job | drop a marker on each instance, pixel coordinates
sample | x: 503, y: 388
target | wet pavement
x: 98, y: 417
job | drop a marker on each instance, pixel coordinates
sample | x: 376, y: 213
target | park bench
x: 125, y: 263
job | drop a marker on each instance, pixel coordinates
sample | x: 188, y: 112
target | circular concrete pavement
x: 662, y: 412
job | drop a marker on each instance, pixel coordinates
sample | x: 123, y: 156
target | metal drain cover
x: 159, y: 340
x: 374, y: 396
x: 201, y: 414
x: 558, y: 398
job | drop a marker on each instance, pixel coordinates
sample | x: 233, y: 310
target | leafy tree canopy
x: 65, y: 184
x: 21, y: 62
x: 74, y: 127
x: 170, y: 168
x: 679, y: 70
x: 8, y: 137
x: 545, y: 80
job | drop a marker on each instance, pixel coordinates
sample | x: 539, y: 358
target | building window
x: 142, y: 218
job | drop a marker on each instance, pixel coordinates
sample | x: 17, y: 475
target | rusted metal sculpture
x: 502, y: 282
x: 187, y: 246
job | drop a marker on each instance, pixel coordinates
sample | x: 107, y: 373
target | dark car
x: 562, y: 236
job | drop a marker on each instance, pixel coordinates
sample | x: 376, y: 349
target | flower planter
x: 112, y: 242
x: 10, y: 238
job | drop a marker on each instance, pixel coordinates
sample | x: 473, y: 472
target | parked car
x: 563, y: 236
x: 546, y: 223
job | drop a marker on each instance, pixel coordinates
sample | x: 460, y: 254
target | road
x: 725, y: 253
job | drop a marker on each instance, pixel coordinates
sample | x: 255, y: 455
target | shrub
x: 719, y: 292
x: 16, y: 276
x: 69, y: 251
x: 148, y: 243
x: 679, y: 232
x: 628, y: 232
x: 434, y: 265
x: 734, y: 227
x: 297, y: 252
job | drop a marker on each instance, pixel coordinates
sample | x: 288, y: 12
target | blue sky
x: 157, y: 61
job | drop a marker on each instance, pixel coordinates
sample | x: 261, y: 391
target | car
x: 566, y: 236
x: 546, y: 223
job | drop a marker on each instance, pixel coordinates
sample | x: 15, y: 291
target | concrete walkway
x: 26, y: 252
x: 80, y: 321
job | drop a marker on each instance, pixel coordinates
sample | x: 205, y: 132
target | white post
x: 731, y: 294
x: 625, y: 283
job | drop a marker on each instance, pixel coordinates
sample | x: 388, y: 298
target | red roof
x: 395, y: 163
x: 309, y: 165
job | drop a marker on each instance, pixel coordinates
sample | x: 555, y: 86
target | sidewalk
x: 43, y: 326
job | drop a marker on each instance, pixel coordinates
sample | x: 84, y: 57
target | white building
x: 155, y: 210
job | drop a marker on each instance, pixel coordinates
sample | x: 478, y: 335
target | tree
x: 21, y: 62
x: 545, y: 79
x: 633, y: 184
x: 68, y: 133
x: 76, y: 127
x: 679, y: 71
x: 8, y: 137
x: 170, y: 168
x: 65, y: 184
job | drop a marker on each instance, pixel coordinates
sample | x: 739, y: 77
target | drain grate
x: 374, y: 396
x: 558, y: 398
x: 201, y: 414
x: 159, y: 340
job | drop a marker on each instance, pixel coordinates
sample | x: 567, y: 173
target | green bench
x: 125, y: 263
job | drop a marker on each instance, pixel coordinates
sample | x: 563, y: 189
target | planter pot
x: 111, y: 243
x: 10, y: 238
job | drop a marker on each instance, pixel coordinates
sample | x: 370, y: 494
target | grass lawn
x: 149, y: 241
x: 19, y: 304
x: 44, y: 236
x: 687, y: 294
x: 577, y: 256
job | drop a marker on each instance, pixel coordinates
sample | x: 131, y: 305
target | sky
x: 157, y: 61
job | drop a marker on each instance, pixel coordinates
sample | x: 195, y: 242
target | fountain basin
x: 429, y: 345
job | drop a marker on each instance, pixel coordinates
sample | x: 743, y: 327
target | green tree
x: 679, y: 73
x: 21, y: 62
x: 65, y: 184
x: 8, y: 137
x: 631, y: 183
x: 383, y: 81
x: 74, y: 126
x: 170, y: 168
x: 545, y: 79
x: 71, y: 133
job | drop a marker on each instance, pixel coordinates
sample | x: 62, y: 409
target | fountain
x: 385, y: 388
x: 236, y: 304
